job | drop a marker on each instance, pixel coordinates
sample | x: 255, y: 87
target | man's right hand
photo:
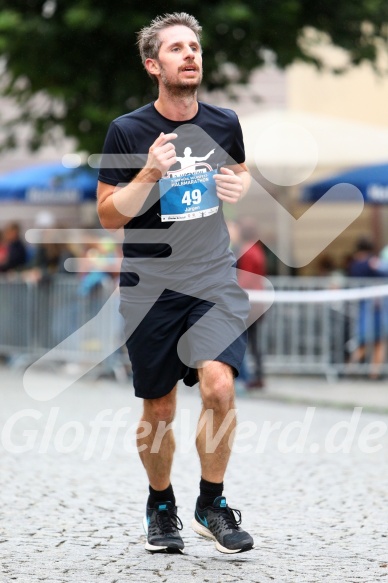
x: 117, y: 205
x: 162, y: 154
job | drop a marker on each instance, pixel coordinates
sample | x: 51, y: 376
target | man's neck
x: 177, y: 108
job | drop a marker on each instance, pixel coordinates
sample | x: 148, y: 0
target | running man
x: 173, y: 285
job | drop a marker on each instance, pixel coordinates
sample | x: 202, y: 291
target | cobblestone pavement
x: 345, y: 392
x: 73, y: 491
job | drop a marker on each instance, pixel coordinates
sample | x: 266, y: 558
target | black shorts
x: 162, y: 353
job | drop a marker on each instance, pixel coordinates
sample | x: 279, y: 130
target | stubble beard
x: 180, y: 89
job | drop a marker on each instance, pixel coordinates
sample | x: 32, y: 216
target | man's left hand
x: 230, y: 186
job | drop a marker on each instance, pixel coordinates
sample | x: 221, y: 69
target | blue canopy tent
x: 49, y: 184
x: 372, y: 181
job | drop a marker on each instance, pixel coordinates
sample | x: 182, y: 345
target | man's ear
x: 152, y: 66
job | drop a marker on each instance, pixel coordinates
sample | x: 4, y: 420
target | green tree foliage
x: 82, y: 54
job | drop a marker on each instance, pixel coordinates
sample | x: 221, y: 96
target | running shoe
x: 162, y: 525
x: 221, y: 524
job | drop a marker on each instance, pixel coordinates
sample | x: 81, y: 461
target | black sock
x: 160, y: 496
x: 208, y: 491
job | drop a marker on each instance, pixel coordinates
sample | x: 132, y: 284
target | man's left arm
x: 232, y: 182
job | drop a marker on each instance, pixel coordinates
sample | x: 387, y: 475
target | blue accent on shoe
x: 163, y: 529
x: 223, y: 523
x: 220, y: 502
x: 202, y: 520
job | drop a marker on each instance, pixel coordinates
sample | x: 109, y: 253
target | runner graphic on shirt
x: 189, y: 163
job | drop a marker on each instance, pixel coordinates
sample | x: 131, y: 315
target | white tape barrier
x: 318, y: 296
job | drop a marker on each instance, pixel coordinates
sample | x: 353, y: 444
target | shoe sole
x: 157, y: 549
x: 203, y: 531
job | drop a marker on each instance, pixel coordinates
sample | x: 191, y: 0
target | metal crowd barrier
x: 296, y: 337
x: 61, y: 319
x: 304, y: 337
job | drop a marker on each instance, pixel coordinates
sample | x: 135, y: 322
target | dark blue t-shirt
x: 363, y: 268
x: 186, y: 255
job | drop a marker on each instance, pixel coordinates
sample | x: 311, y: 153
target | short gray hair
x: 148, y: 37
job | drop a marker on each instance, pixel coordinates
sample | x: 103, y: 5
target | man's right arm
x: 117, y: 206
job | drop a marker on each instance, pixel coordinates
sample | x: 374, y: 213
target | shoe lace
x: 231, y: 516
x: 168, y: 520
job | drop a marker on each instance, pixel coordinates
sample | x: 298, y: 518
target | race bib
x: 189, y: 196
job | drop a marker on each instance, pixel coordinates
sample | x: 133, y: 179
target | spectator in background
x: 48, y: 256
x: 3, y: 249
x: 326, y: 265
x: 252, y: 262
x: 102, y: 263
x: 372, y: 325
x: 49, y: 259
x: 16, y: 254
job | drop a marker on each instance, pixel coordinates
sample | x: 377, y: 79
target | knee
x: 162, y: 409
x: 217, y: 390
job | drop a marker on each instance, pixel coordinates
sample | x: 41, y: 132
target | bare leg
x: 377, y: 359
x: 217, y: 421
x: 156, y: 448
x: 358, y: 354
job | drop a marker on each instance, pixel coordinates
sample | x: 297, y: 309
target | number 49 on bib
x: 191, y: 197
